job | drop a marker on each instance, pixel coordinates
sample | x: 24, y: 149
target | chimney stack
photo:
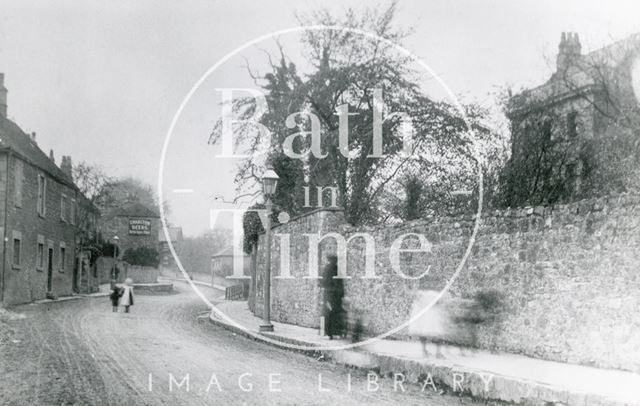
x: 569, y: 51
x: 51, y: 157
x: 66, y: 166
x: 3, y: 97
x: 33, y: 137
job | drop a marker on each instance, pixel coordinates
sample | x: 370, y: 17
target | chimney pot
x: 66, y: 166
x: 569, y: 50
x: 3, y: 97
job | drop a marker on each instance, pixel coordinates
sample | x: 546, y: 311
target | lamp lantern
x: 269, y: 182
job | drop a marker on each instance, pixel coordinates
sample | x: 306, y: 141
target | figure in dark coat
x: 333, y: 311
x: 115, y: 297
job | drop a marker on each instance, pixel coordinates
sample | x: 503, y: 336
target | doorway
x: 49, y: 269
x: 74, y: 282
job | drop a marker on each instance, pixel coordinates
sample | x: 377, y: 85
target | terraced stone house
x: 38, y: 218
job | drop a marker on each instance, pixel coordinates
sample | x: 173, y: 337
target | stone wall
x: 295, y: 300
x: 104, y: 266
x: 142, y: 274
x: 570, y: 275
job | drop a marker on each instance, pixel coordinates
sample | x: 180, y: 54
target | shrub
x: 143, y: 256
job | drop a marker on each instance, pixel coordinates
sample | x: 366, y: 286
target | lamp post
x: 269, y: 183
x: 113, y: 271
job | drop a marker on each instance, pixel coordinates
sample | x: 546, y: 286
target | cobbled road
x: 78, y: 352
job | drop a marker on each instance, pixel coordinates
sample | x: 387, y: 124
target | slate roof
x: 581, y: 75
x: 225, y: 252
x: 13, y: 138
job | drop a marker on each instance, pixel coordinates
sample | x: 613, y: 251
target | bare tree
x: 92, y: 181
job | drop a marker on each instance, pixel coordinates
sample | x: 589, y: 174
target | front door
x: 49, y: 269
x: 74, y: 282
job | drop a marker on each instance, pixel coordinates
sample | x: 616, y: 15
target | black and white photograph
x: 346, y: 202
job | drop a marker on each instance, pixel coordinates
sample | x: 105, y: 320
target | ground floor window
x: 40, y: 254
x: 17, y: 249
x: 63, y: 256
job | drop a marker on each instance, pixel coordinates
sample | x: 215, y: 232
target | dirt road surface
x: 80, y: 353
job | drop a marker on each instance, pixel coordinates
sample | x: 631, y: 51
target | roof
x: 582, y: 75
x: 175, y: 233
x: 12, y: 137
x: 135, y: 210
x: 225, y: 252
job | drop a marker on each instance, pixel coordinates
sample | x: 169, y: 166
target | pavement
x: 104, y: 290
x: 482, y: 375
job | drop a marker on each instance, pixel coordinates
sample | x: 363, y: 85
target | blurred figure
x: 486, y: 308
x: 333, y: 311
x: 126, y: 299
x: 355, y: 321
x: 433, y: 324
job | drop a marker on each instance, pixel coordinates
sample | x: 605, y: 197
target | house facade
x: 38, y: 219
x: 135, y: 225
x: 222, y: 263
x: 573, y: 116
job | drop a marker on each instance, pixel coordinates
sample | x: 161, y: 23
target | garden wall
x: 142, y: 274
x: 570, y: 275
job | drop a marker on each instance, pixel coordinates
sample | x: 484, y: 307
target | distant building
x: 222, y: 264
x: 135, y: 225
x: 38, y: 218
x: 223, y: 260
x: 578, y: 107
x: 167, y: 262
x: 87, y: 218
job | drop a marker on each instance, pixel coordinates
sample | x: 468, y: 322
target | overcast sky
x: 102, y: 80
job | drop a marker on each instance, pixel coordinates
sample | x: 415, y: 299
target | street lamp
x: 113, y: 271
x: 269, y: 184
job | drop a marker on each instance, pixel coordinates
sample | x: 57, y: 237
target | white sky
x: 101, y: 80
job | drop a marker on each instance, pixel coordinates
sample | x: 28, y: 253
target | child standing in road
x: 126, y: 299
x: 115, y: 297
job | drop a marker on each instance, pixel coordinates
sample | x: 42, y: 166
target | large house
x: 573, y: 115
x: 38, y: 219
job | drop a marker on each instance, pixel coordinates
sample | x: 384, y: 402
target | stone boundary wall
x: 570, y: 275
x: 142, y: 274
x: 296, y: 300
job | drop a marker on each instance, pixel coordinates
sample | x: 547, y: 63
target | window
x: 40, y: 254
x: 17, y: 249
x: 547, y: 130
x: 572, y: 124
x: 63, y: 256
x: 72, y: 209
x: 64, y: 207
x: 18, y: 177
x: 49, y: 257
x: 42, y: 195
